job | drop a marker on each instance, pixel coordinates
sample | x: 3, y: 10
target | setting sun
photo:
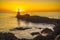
x: 20, y: 10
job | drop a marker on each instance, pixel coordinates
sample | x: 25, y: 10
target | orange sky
x: 30, y: 5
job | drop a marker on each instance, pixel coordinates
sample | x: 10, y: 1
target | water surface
x: 9, y: 21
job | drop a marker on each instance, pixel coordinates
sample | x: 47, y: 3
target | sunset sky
x: 28, y: 5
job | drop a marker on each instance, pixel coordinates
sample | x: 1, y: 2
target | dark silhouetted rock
x: 34, y: 33
x: 7, y: 36
x: 46, y: 30
x: 38, y: 19
x: 20, y: 28
x: 40, y: 37
x: 57, y: 29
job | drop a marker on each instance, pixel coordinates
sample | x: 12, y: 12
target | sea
x: 9, y: 21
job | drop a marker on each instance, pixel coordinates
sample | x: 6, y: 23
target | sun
x: 20, y: 10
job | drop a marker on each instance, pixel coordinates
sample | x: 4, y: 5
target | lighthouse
x: 18, y: 13
x: 18, y: 16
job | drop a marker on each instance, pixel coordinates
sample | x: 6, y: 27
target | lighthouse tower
x: 18, y: 16
x: 18, y: 13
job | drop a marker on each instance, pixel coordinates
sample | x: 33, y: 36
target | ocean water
x: 8, y: 21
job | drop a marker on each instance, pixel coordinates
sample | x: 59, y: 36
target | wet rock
x: 20, y: 28
x: 7, y: 36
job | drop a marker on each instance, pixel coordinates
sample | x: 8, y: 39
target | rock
x: 21, y: 28
x: 7, y: 36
